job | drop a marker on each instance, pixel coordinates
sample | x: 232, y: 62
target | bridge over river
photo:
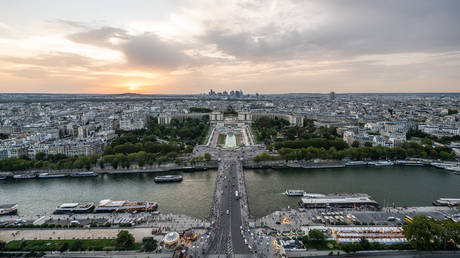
x: 229, y: 210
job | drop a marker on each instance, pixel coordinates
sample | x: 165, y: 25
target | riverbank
x: 151, y: 224
x: 347, y: 217
x: 317, y: 163
x: 248, y: 163
x: 132, y: 169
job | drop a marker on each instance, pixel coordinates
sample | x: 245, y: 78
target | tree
x: 355, y: 144
x: 200, y: 110
x: 316, y: 235
x: 364, y: 243
x: 207, y: 156
x: 188, y: 149
x: 350, y: 247
x: 40, y: 156
x: 315, y: 239
x: 124, y: 240
x: 2, y: 244
x: 452, y: 111
x: 141, y: 163
x: 64, y: 247
x: 150, y: 245
x: 76, y: 245
x: 429, y: 234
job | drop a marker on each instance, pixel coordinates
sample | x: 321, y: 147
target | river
x: 405, y: 186
x: 192, y: 196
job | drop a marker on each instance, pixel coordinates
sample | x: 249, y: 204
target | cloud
x: 4, y: 26
x: 100, y: 37
x: 54, y: 59
x: 315, y: 45
x: 146, y: 49
x: 150, y: 50
x: 268, y: 45
x: 71, y: 24
x: 340, y: 29
x: 295, y: 30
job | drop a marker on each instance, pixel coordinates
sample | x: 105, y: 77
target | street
x: 230, y: 210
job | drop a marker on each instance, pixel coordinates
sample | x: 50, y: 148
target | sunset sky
x: 176, y: 47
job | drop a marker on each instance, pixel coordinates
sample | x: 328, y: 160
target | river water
x: 405, y: 186
x: 192, y: 196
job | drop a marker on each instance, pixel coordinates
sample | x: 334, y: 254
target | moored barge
x: 356, y: 163
x: 84, y: 174
x: 447, y: 202
x: 124, y: 206
x: 47, y: 175
x: 339, y: 201
x: 24, y: 176
x: 75, y: 208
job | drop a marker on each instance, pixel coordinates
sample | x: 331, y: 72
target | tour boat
x: 77, y: 208
x: 295, y: 192
x: 167, y: 178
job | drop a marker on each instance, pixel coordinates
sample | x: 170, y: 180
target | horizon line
x: 177, y: 94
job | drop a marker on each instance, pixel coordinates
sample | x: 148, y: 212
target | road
x: 230, y: 215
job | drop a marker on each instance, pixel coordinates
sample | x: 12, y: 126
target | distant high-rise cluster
x: 231, y: 94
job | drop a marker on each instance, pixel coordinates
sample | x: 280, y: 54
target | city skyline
x: 190, y: 47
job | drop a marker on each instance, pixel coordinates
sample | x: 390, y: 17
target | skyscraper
x: 332, y: 95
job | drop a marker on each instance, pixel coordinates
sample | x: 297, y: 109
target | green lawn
x: 73, y: 245
x: 221, y: 139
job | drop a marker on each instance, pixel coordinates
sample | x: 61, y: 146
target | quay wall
x: 165, y: 167
x: 250, y: 164
x: 83, y: 233
x: 204, y: 165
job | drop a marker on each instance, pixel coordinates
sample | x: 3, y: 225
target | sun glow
x: 133, y: 86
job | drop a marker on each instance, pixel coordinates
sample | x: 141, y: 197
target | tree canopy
x: 124, y: 240
x: 426, y: 233
x: 200, y: 110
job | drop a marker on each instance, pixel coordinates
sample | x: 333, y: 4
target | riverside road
x: 229, y: 213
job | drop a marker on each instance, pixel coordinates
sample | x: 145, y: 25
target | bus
x: 408, y: 219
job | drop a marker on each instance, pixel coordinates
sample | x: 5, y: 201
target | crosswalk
x: 229, y: 247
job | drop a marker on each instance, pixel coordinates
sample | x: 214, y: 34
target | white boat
x: 295, y: 192
x: 356, y: 163
x: 77, y: 208
x: 125, y: 206
x: 84, y: 174
x: 314, y: 195
x: 455, y: 169
x: 410, y: 163
x: 442, y: 165
x: 8, y: 209
x: 24, y: 176
x: 167, y: 179
x: 380, y: 163
x: 447, y: 202
x: 47, y: 175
